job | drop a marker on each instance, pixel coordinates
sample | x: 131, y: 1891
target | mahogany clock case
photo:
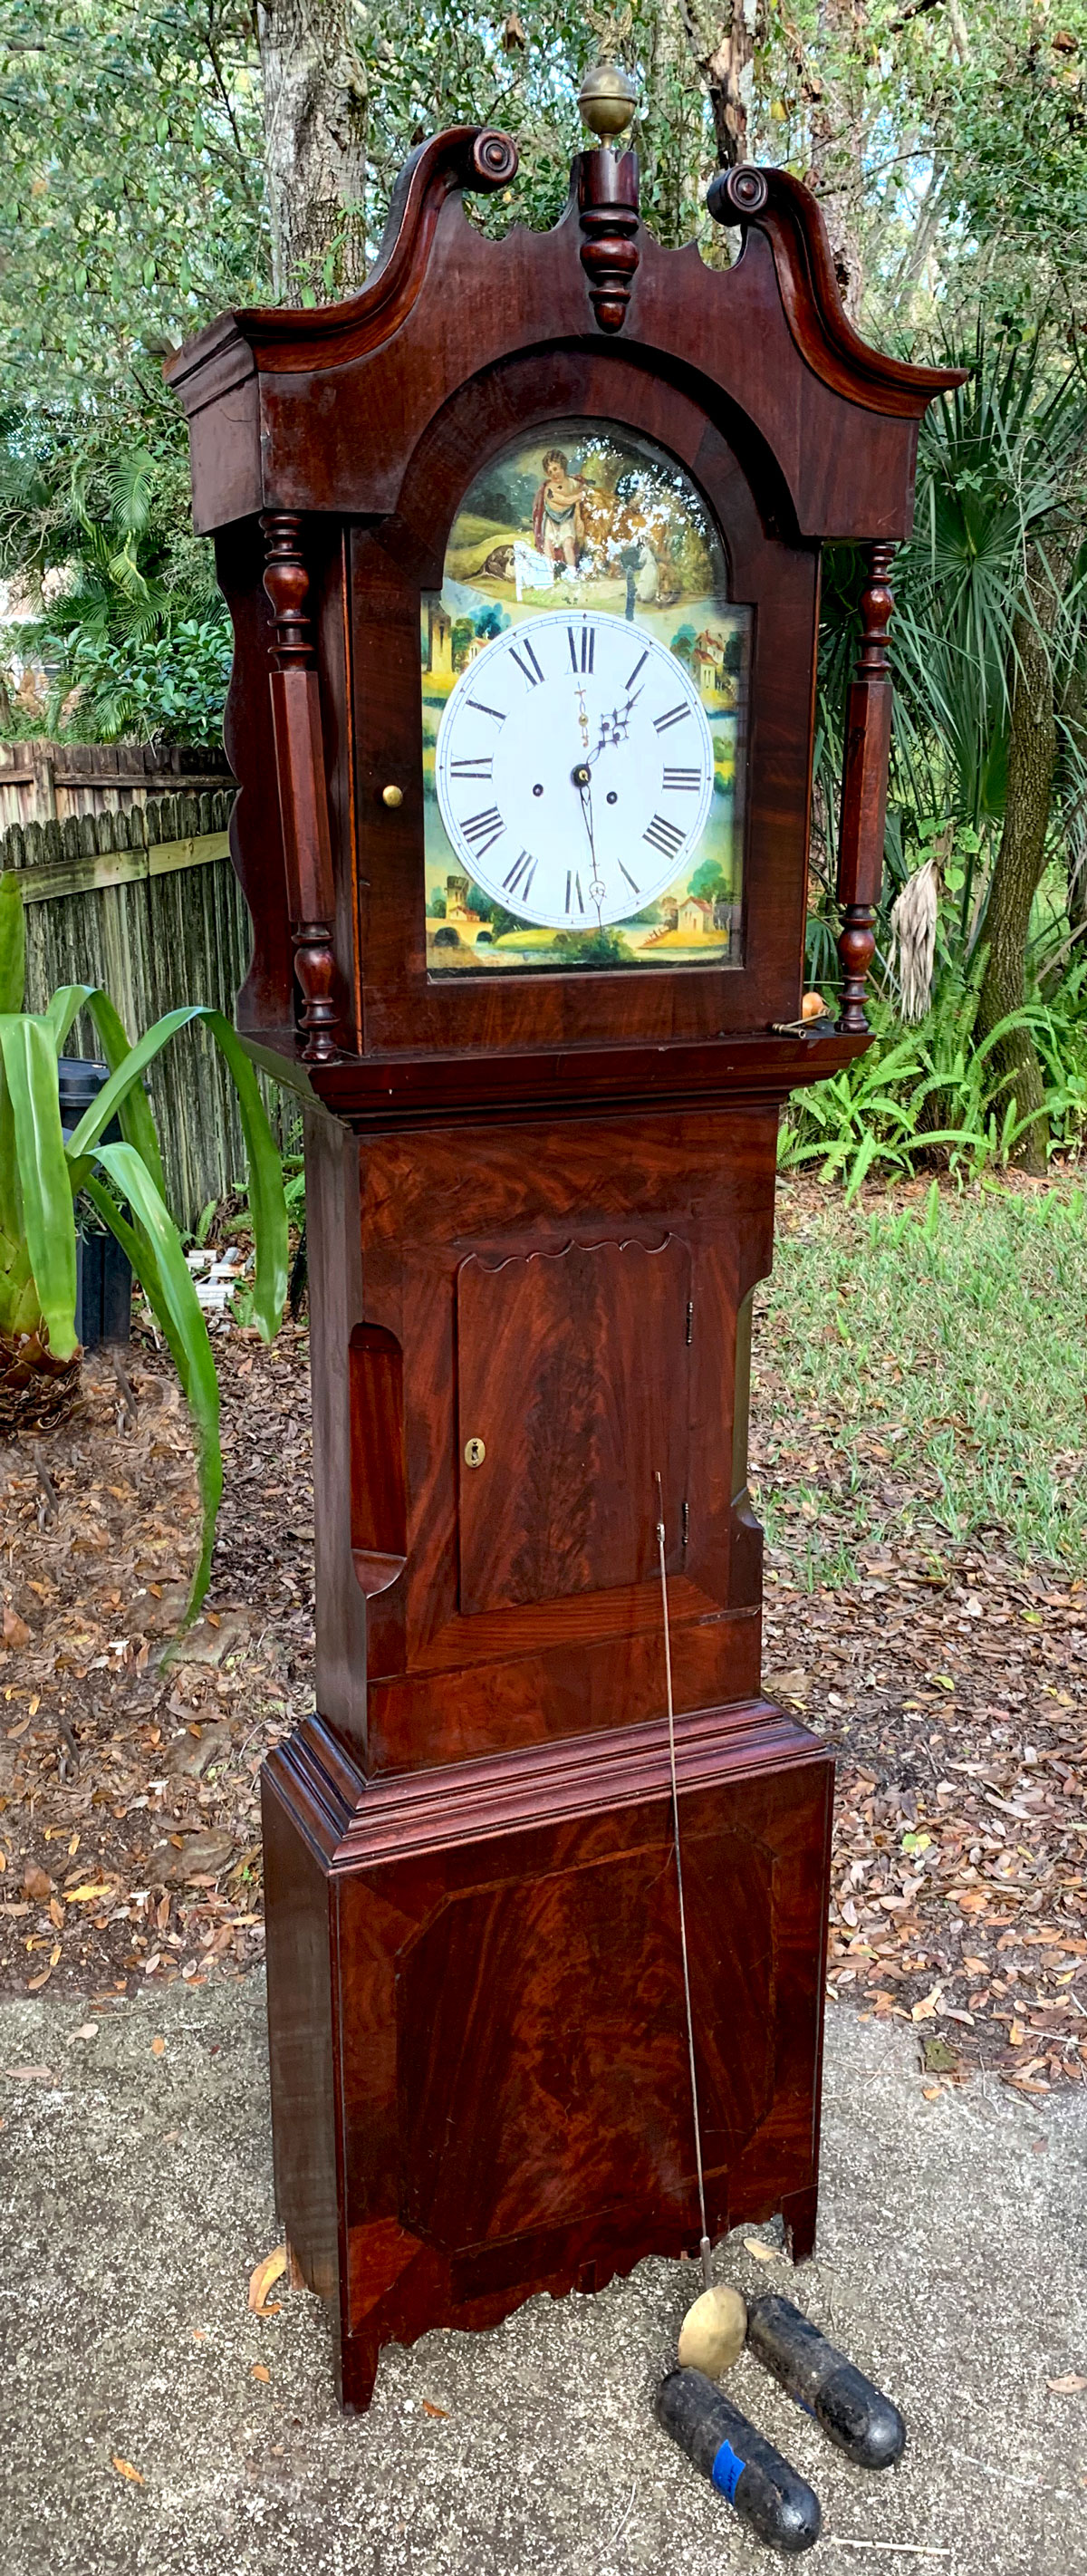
x: 538, y: 1207
x: 475, y: 1995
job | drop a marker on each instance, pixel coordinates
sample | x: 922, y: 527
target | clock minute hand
x: 583, y: 782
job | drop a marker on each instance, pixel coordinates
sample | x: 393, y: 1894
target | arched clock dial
x: 574, y: 769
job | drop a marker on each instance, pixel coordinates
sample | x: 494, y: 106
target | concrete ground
x: 136, y: 2190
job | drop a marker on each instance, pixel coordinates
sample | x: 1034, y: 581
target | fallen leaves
x: 15, y: 1633
x: 262, y: 2278
x: 762, y: 2253
x: 102, y: 1752
x: 956, y: 1823
x: 1071, y: 2383
x: 259, y: 2372
x: 158, y: 2045
x: 125, y: 2469
x: 928, y: 2006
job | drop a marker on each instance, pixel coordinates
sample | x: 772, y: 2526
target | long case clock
x: 521, y: 547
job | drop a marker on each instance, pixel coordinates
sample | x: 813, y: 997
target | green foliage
x: 132, y: 626
x: 1001, y: 486
x: 1014, y: 131
x: 130, y: 186
x: 168, y: 688
x: 932, y: 1094
x: 42, y: 1176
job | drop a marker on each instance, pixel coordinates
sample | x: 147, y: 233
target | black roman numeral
x: 588, y: 639
x: 675, y: 715
x: 481, y: 710
x: 680, y: 780
x: 625, y: 872
x: 573, y: 887
x: 639, y: 666
x: 531, y: 676
x: 483, y: 829
x: 519, y: 880
x: 664, y: 836
x: 483, y: 767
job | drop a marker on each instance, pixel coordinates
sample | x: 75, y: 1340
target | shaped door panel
x: 573, y: 1377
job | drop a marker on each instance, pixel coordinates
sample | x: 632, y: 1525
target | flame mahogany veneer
x: 538, y: 1208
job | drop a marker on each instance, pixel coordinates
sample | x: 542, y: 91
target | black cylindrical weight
x: 760, y: 2486
x: 853, y: 2413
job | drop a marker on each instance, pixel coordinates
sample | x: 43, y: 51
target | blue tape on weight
x: 727, y: 2470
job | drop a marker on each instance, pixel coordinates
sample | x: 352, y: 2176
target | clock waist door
x: 521, y: 1387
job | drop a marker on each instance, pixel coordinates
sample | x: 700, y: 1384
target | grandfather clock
x: 521, y: 547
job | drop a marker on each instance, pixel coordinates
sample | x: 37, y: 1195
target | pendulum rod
x: 705, y: 2248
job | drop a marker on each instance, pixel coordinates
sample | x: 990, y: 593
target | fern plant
x: 42, y: 1176
x: 936, y: 1089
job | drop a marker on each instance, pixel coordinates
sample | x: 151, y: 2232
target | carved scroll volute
x: 300, y: 767
x: 607, y: 192
x: 864, y: 791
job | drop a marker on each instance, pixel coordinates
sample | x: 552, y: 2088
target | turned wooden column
x: 300, y: 766
x: 607, y: 191
x: 864, y: 791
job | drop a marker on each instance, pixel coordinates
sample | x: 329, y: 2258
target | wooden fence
x: 142, y: 899
x: 42, y: 782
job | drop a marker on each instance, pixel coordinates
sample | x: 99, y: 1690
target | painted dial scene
x: 584, y: 703
x: 574, y: 769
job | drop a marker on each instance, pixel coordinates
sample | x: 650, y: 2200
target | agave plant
x: 42, y: 1177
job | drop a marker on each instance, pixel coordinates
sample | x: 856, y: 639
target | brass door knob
x: 392, y: 796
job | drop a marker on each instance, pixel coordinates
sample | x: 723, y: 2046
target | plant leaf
x: 266, y: 1194
x: 12, y: 942
x: 30, y: 1071
x: 189, y: 1335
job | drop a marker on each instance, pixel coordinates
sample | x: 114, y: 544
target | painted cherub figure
x: 556, y: 516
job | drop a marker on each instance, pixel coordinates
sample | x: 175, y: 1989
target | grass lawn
x: 917, y: 1458
x: 922, y: 1371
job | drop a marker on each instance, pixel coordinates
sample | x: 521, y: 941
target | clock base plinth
x: 478, y: 2045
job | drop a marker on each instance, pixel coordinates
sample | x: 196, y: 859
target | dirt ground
x: 956, y: 1688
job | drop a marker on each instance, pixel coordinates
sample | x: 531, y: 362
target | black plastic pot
x: 103, y: 1297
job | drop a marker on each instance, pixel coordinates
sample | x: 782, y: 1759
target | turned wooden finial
x: 607, y: 100
x: 607, y: 188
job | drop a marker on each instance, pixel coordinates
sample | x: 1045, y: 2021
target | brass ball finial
x: 607, y: 100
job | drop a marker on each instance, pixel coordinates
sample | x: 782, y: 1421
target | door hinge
x: 690, y: 1319
x: 686, y: 1524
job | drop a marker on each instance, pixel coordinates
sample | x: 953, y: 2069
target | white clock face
x: 574, y: 769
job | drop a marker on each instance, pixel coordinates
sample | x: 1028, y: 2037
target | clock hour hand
x: 613, y: 728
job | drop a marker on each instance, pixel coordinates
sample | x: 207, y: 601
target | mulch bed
x: 129, y: 1790
x: 955, y: 1685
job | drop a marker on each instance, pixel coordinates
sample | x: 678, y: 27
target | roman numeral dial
x: 574, y: 773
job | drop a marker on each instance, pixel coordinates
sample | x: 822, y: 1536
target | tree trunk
x: 724, y: 52
x: 315, y: 101
x: 1074, y: 723
x: 836, y: 172
x: 1032, y: 754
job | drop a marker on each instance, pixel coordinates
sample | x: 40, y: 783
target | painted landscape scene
x: 594, y: 517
